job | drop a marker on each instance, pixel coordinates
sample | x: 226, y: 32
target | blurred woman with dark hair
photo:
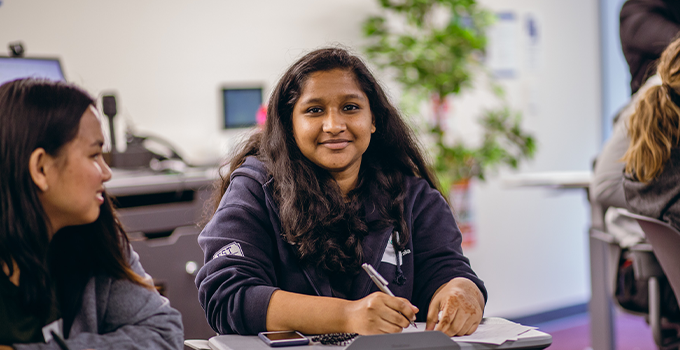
x: 65, y: 258
x: 335, y: 179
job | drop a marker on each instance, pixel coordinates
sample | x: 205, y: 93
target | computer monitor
x: 240, y: 106
x: 12, y: 68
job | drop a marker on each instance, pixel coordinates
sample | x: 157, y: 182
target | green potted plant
x: 433, y: 48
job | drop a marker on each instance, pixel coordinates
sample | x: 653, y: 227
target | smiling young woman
x: 63, y: 252
x: 334, y: 180
x: 333, y: 123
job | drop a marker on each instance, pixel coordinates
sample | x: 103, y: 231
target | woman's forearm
x: 374, y: 314
x: 306, y: 313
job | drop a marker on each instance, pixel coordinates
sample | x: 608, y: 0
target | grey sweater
x: 117, y: 314
x: 660, y: 197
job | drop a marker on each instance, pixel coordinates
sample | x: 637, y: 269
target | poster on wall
x: 463, y: 211
x: 501, y: 50
x: 532, y: 43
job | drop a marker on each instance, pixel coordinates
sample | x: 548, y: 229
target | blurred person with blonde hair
x: 652, y: 162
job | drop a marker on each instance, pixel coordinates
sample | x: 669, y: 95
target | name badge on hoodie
x: 56, y: 327
x: 390, y: 256
x: 232, y: 248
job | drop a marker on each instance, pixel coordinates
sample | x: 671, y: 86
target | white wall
x: 532, y: 248
x: 615, y: 73
x: 167, y: 60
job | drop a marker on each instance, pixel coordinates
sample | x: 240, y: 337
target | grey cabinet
x: 160, y: 212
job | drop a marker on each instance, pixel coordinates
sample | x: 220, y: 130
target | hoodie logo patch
x: 229, y: 249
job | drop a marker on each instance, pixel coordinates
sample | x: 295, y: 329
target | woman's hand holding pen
x: 379, y: 313
x: 456, y: 308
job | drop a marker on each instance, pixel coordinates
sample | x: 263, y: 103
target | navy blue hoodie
x: 246, y: 259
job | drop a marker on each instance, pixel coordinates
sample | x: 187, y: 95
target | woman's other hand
x: 379, y: 313
x: 5, y: 347
x: 456, y: 308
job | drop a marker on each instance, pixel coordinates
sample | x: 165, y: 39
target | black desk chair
x: 665, y: 243
x: 646, y: 271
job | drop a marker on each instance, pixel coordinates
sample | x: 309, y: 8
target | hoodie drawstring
x: 399, y: 277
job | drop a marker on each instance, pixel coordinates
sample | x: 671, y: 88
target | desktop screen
x: 12, y: 68
x: 240, y: 107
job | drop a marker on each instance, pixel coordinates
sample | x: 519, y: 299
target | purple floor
x: 573, y: 333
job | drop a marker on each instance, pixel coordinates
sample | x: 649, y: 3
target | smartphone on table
x: 283, y: 338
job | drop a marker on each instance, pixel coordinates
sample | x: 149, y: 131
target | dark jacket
x: 246, y: 259
x: 646, y: 28
x: 659, y: 197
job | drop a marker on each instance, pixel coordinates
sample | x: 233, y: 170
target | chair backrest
x: 665, y: 241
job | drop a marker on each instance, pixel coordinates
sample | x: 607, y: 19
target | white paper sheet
x: 492, y: 330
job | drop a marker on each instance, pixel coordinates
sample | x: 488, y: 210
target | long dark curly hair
x: 325, y: 228
x: 44, y: 114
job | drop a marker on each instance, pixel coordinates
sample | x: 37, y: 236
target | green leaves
x: 426, y: 53
x: 504, y: 143
x: 432, y: 46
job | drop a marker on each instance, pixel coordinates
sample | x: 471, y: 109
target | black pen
x: 381, y: 282
x: 60, y: 341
